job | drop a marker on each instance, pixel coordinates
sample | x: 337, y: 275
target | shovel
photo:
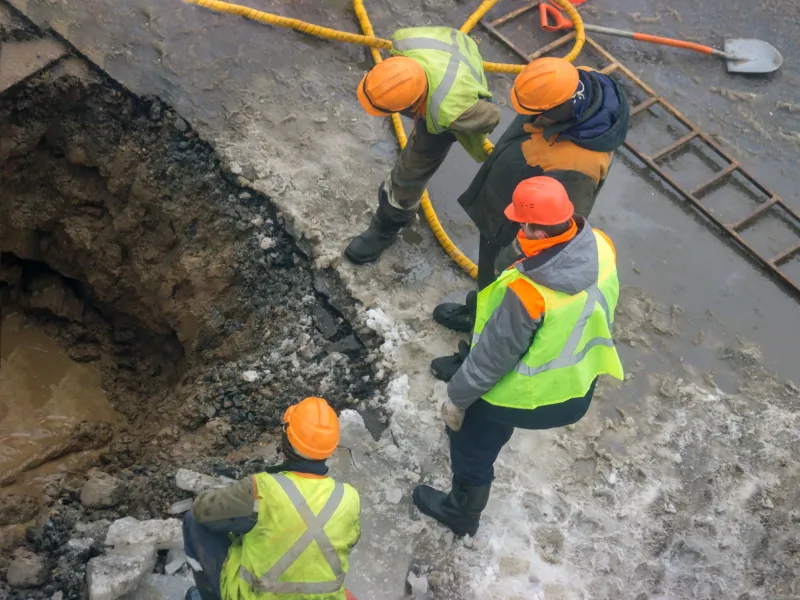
x: 741, y: 55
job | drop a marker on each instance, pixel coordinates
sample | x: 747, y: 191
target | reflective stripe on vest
x: 446, y: 84
x: 572, y: 346
x: 315, y: 532
x: 567, y: 356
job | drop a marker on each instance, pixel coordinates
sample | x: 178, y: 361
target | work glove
x: 452, y: 416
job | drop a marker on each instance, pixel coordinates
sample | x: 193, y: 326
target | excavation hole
x: 145, y: 293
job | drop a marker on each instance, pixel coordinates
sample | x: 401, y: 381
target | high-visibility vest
x: 456, y: 80
x: 299, y: 549
x: 572, y: 346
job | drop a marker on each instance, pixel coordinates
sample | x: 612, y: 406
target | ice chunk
x: 394, y: 496
x: 397, y: 390
x: 250, y: 376
x: 119, y: 572
x: 419, y: 585
x: 181, y: 506
x: 352, y: 431
x: 160, y: 533
x: 79, y: 544
x: 161, y: 587
x: 192, y: 481
x: 176, y: 558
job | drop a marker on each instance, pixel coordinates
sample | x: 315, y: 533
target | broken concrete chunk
x: 119, y: 572
x: 192, y: 481
x: 102, y: 491
x: 162, y: 587
x: 27, y: 570
x: 163, y: 534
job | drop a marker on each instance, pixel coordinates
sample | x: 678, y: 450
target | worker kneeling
x: 284, y: 533
x: 542, y: 337
x: 435, y: 77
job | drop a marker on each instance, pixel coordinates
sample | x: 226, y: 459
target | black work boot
x: 444, y: 367
x: 460, y: 510
x: 458, y: 317
x: 383, y: 229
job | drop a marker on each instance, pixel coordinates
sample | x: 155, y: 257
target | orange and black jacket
x: 577, y: 153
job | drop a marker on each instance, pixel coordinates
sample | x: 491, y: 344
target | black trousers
x: 475, y: 447
x: 487, y: 428
x: 210, y: 550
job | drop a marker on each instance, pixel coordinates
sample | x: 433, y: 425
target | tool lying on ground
x: 741, y: 55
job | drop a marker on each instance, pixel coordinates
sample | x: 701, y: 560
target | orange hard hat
x: 312, y: 428
x: 393, y: 85
x: 544, y: 84
x: 540, y: 201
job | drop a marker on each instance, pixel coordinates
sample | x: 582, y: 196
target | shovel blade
x: 751, y: 56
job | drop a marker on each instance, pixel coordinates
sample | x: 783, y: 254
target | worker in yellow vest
x: 541, y: 339
x: 283, y: 534
x: 435, y: 76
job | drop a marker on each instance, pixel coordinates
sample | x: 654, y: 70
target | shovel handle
x: 655, y: 39
x: 560, y: 22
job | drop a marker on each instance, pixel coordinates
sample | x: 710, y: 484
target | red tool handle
x: 560, y: 22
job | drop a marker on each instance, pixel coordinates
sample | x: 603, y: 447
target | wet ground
x: 44, y: 393
x: 280, y: 109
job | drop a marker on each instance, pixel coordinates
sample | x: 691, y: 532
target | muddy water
x: 42, y: 393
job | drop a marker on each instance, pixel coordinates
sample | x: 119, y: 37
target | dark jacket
x: 577, y: 153
x: 570, y: 267
x: 231, y: 510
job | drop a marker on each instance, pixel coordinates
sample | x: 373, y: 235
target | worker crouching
x: 435, y: 77
x: 284, y: 533
x: 542, y: 337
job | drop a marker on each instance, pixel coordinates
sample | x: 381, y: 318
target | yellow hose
x: 374, y: 44
x: 296, y: 24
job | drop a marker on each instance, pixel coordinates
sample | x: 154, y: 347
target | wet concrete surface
x: 665, y: 250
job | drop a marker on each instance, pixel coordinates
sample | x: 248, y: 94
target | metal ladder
x: 772, y: 264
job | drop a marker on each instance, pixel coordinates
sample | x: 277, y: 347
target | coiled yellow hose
x: 375, y: 43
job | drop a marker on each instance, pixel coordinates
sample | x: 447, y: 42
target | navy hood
x: 601, y: 116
